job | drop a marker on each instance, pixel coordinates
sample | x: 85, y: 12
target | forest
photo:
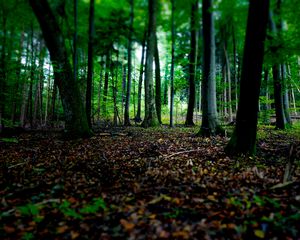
x: 149, y: 119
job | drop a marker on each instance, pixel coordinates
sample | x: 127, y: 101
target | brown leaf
x: 62, y: 229
x: 128, y: 226
x: 9, y: 229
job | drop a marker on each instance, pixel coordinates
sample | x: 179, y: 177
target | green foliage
x: 9, y: 140
x: 29, y: 210
x: 98, y: 203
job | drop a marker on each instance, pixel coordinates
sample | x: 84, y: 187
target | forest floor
x: 137, y: 183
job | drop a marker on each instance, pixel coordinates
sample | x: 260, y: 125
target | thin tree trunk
x: 32, y: 75
x: 285, y: 95
x: 88, y: 102
x: 105, y: 90
x: 129, y: 67
x: 99, y: 89
x: 48, y: 97
x: 228, y: 71
x: 166, y: 83
x: 172, y: 64
x: 16, y: 97
x: 192, y: 64
x: 138, y: 114
x: 157, y: 82
x: 75, y: 58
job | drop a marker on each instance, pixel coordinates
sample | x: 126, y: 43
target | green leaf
x: 9, y: 140
x: 259, y: 233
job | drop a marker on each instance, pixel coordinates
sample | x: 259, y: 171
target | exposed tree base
x: 150, y: 123
x: 235, y: 147
x: 189, y: 123
x: 209, y: 132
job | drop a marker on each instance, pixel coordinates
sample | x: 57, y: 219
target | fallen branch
x: 16, y: 165
x: 177, y: 153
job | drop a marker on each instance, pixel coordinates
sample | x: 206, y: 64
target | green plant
x: 98, y: 203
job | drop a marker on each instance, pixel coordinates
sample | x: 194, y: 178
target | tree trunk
x: 16, y: 97
x: 172, y: 64
x: 192, y: 65
x: 150, y: 119
x: 166, y: 83
x: 243, y: 139
x: 157, y: 82
x: 210, y: 124
x: 75, y: 58
x: 228, y: 74
x: 235, y: 69
x: 129, y: 67
x: 75, y: 117
x: 89, y: 83
x: 138, y: 114
x: 285, y: 95
x: 99, y: 89
x: 105, y: 90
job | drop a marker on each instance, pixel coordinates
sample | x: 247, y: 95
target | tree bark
x: 192, y: 65
x: 129, y: 67
x: 172, y: 65
x: 150, y: 119
x: 138, y: 114
x: 89, y: 83
x: 157, y: 82
x: 210, y: 124
x: 105, y: 89
x: 75, y: 117
x: 243, y: 139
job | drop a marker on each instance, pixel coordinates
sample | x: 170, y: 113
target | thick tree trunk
x: 210, y: 124
x: 75, y: 117
x: 150, y: 119
x: 243, y: 139
x: 172, y: 65
x: 129, y: 68
x: 157, y: 82
x: 192, y: 65
x: 89, y: 83
x: 139, y: 106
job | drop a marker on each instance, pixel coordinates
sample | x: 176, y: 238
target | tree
x: 157, y: 82
x: 90, y: 64
x: 210, y: 124
x: 172, y: 64
x: 192, y: 65
x: 243, y: 139
x: 138, y: 114
x: 150, y: 119
x: 75, y: 117
x: 127, y: 102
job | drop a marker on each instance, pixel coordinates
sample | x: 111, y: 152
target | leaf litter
x: 145, y: 184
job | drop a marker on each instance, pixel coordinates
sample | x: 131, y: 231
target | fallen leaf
x: 128, y: 226
x: 259, y: 233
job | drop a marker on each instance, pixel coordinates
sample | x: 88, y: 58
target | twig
x: 177, y: 153
x: 18, y: 164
